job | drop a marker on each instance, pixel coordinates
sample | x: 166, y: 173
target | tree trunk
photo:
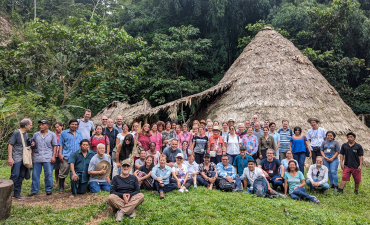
x: 34, y: 8
x: 6, y: 191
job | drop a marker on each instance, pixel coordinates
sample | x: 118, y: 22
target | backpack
x: 227, y: 138
x: 224, y: 185
x: 260, y: 187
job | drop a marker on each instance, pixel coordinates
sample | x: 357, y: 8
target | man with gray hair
x: 241, y: 131
x: 317, y: 175
x: 257, y: 130
x: 111, y: 133
x: 15, y: 156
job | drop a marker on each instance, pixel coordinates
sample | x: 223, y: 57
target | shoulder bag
x: 27, y: 153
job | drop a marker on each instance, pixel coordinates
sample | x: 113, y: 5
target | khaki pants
x: 118, y: 203
x: 64, y: 169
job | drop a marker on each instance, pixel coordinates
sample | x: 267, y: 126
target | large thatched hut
x: 273, y: 79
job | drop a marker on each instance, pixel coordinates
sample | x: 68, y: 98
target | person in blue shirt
x: 161, y: 175
x: 69, y: 142
x: 270, y: 167
x: 225, y: 170
x: 79, y: 164
x: 241, y: 162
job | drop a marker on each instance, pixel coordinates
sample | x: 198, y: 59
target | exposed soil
x: 60, y: 201
x: 100, y: 217
x: 5, y: 31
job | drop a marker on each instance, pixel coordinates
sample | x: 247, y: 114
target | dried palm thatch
x: 276, y: 81
x: 273, y: 79
x: 129, y: 112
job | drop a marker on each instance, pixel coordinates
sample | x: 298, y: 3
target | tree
x: 171, y: 62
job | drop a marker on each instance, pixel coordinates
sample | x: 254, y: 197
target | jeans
x: 199, y: 158
x: 276, y: 183
x: 282, y: 155
x: 167, y: 188
x: 300, y: 157
x: 231, y: 158
x: 78, y: 187
x: 97, y: 186
x: 332, y: 167
x: 216, y: 159
x: 238, y: 181
x: 17, y: 176
x: 203, y: 181
x: 300, y: 193
x: 263, y: 153
x: 323, y: 186
x: 36, y: 172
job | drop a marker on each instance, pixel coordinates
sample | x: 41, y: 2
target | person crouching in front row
x: 161, y: 174
x: 125, y: 193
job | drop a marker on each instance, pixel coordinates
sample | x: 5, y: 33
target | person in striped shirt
x: 285, y: 135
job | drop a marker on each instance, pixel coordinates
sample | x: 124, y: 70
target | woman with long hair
x: 233, y: 143
x: 134, y: 129
x: 185, y: 149
x: 121, y: 136
x: 200, y: 145
x: 266, y: 142
x: 178, y: 131
x: 185, y: 135
x: 196, y: 122
x: 144, y: 137
x: 294, y: 179
x: 124, y: 150
x: 180, y: 172
x: 156, y: 137
x: 144, y: 173
x: 330, y: 149
x: 173, y: 125
x: 289, y: 157
x: 99, y: 138
x: 209, y: 133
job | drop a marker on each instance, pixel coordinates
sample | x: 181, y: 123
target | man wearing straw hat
x: 316, y: 135
x: 99, y: 170
x: 125, y: 193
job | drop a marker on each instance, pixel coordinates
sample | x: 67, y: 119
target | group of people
x: 248, y: 155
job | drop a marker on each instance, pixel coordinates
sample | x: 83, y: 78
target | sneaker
x: 18, y: 197
x: 48, y: 193
x: 181, y: 190
x: 31, y: 194
x: 356, y: 192
x: 133, y: 214
x: 340, y: 191
x: 195, y: 186
x: 315, y: 200
x: 186, y: 190
x: 332, y: 186
x: 120, y: 215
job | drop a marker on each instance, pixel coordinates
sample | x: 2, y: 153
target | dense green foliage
x: 127, y: 50
x: 202, y: 206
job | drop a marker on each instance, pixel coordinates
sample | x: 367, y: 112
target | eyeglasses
x: 128, y: 140
x: 104, y: 119
x: 178, y: 158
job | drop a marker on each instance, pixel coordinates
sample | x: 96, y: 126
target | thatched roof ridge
x: 276, y: 81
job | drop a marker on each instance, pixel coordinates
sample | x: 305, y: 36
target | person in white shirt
x: 85, y: 125
x: 316, y: 135
x: 233, y: 142
x: 193, y: 171
x: 251, y: 173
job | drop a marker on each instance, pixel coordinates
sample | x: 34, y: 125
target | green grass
x: 201, y: 206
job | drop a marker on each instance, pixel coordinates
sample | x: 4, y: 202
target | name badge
x: 355, y: 151
x: 271, y: 171
x: 202, y: 150
x: 327, y: 150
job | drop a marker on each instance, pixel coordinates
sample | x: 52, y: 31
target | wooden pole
x: 34, y: 9
x: 363, y: 118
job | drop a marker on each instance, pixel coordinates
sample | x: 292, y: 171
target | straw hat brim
x: 103, y: 164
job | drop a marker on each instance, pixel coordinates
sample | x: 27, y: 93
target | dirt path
x: 60, y: 201
x: 100, y: 217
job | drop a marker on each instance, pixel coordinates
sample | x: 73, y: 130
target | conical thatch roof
x: 274, y: 80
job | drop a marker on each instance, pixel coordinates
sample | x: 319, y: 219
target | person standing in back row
x: 353, y: 155
x: 285, y: 135
x: 111, y: 133
x: 43, y: 156
x: 316, y: 135
x: 69, y: 142
x: 86, y: 126
x: 119, y: 124
x: 15, y: 156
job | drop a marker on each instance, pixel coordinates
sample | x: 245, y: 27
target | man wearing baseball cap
x: 230, y: 122
x: 45, y: 143
x: 125, y: 193
x: 207, y: 172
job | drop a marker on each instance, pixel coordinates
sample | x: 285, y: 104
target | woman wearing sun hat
x: 216, y: 147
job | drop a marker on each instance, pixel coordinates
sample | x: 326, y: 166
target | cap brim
x: 126, y: 164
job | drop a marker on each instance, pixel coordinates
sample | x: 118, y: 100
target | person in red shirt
x: 216, y: 147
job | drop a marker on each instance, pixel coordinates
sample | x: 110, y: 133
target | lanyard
x: 185, y: 135
x: 329, y: 144
x: 217, y: 143
x: 202, y: 142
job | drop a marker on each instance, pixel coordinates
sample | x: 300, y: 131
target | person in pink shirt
x: 185, y: 135
x: 144, y: 137
x: 156, y: 138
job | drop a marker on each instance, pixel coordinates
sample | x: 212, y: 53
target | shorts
x: 57, y: 163
x: 355, y: 173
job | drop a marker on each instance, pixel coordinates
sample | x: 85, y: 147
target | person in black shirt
x: 352, y: 155
x: 125, y: 193
x: 144, y: 173
x: 111, y: 133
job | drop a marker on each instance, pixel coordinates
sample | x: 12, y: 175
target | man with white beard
x: 125, y: 193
